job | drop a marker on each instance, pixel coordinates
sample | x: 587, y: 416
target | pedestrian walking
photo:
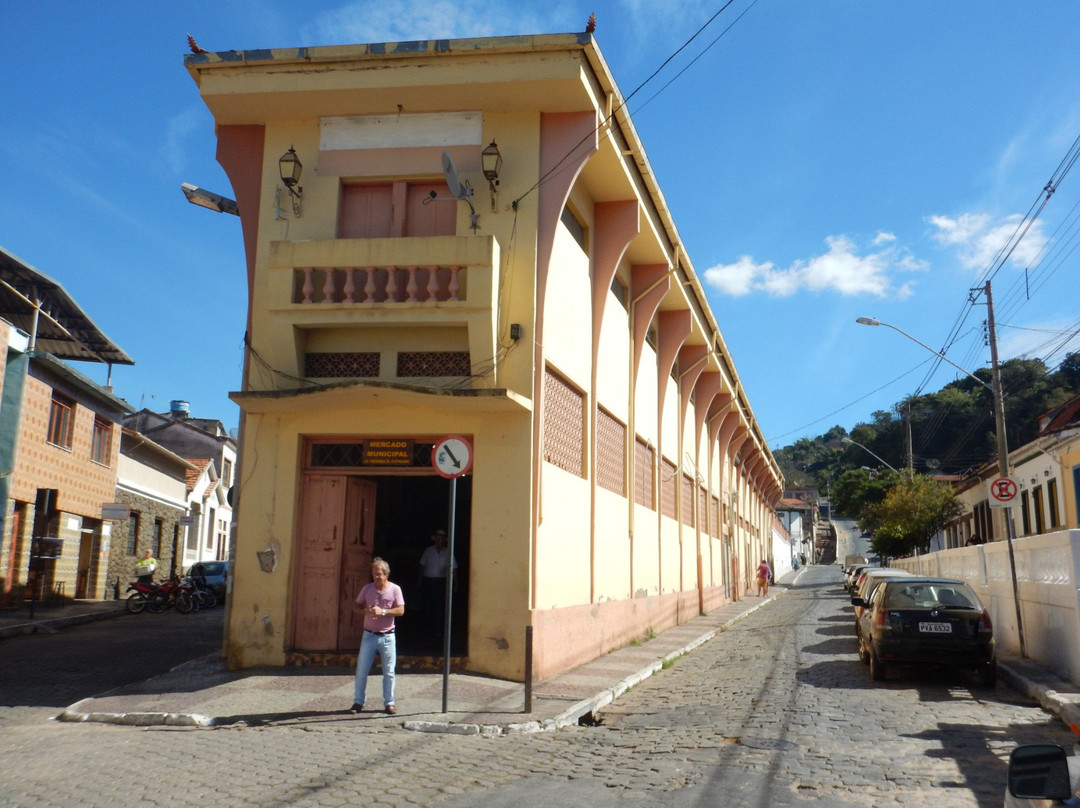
x: 763, y: 576
x: 381, y: 602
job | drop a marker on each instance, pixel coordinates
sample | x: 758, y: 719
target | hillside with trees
x: 951, y: 433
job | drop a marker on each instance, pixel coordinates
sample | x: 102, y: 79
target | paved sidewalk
x: 203, y: 693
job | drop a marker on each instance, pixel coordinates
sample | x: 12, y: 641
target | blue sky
x: 823, y: 160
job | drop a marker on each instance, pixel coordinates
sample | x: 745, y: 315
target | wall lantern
x: 290, y: 167
x: 491, y: 162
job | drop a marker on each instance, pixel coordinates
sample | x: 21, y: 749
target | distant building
x: 59, y: 441
x: 799, y: 518
x: 211, y: 452
x: 153, y: 482
x: 1046, y: 473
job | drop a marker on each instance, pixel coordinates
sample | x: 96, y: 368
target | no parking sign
x: 1003, y: 492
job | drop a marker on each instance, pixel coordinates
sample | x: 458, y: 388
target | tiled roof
x: 193, y: 475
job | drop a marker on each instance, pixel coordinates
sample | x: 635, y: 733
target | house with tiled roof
x: 1046, y: 473
x: 210, y: 515
x: 211, y: 451
x: 152, y: 482
x: 59, y: 440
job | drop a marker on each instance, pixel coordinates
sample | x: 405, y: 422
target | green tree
x: 857, y: 490
x: 1069, y: 372
x: 912, y: 512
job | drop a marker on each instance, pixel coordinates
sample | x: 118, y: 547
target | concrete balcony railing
x: 455, y: 271
x: 372, y: 288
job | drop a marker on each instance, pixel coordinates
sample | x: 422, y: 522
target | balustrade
x: 409, y: 284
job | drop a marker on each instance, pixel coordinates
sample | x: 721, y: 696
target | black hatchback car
x: 929, y: 622
x: 216, y: 574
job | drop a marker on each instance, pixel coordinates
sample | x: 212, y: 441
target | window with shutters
x: 101, y: 441
x: 61, y: 421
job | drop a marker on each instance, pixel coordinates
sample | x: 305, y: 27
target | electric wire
x: 850, y: 404
x: 558, y: 165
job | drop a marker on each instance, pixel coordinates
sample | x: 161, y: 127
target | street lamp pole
x: 856, y: 443
x: 999, y: 427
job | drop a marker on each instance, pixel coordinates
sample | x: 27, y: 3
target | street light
x: 999, y: 427
x: 856, y: 443
x: 872, y: 321
x: 208, y: 199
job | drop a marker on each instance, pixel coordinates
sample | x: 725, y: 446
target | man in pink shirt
x: 380, y: 601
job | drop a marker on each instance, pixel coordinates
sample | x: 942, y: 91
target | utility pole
x: 1003, y: 452
x: 910, y: 455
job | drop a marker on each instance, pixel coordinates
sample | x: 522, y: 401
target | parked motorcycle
x: 179, y: 593
x: 145, y: 596
x: 204, y: 595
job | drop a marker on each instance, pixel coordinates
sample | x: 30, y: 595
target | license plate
x: 935, y: 628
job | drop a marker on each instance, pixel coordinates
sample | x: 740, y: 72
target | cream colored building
x: 1046, y: 475
x: 550, y: 319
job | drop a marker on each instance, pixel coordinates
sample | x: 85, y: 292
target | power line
x: 635, y: 91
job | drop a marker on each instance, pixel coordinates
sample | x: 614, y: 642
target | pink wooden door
x: 319, y: 542
x: 366, y: 211
x: 432, y: 219
x: 359, y: 543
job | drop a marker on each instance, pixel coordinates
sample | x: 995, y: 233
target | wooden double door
x: 335, y: 541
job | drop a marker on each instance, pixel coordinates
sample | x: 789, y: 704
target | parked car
x: 1040, y: 774
x: 216, y: 574
x: 868, y: 581
x: 853, y: 573
x: 930, y: 622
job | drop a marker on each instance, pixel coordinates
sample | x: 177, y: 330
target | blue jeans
x: 385, y: 645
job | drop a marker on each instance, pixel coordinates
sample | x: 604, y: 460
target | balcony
x: 368, y: 290
x: 387, y: 273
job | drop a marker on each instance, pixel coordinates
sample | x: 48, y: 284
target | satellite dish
x: 457, y: 189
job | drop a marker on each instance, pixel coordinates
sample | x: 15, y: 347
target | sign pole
x: 451, y: 457
x: 449, y: 592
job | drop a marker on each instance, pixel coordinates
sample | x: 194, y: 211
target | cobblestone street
x: 775, y: 711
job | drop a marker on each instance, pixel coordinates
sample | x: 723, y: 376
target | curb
x: 51, y: 625
x: 138, y: 719
x: 1065, y: 705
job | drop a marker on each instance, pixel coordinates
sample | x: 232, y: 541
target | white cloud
x: 979, y: 239
x: 841, y: 269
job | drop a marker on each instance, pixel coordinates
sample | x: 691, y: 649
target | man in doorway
x: 380, y: 601
x: 431, y: 581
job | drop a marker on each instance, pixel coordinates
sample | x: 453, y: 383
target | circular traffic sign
x: 451, y: 456
x: 1003, y: 490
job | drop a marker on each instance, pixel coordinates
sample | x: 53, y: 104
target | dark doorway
x: 409, y: 510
